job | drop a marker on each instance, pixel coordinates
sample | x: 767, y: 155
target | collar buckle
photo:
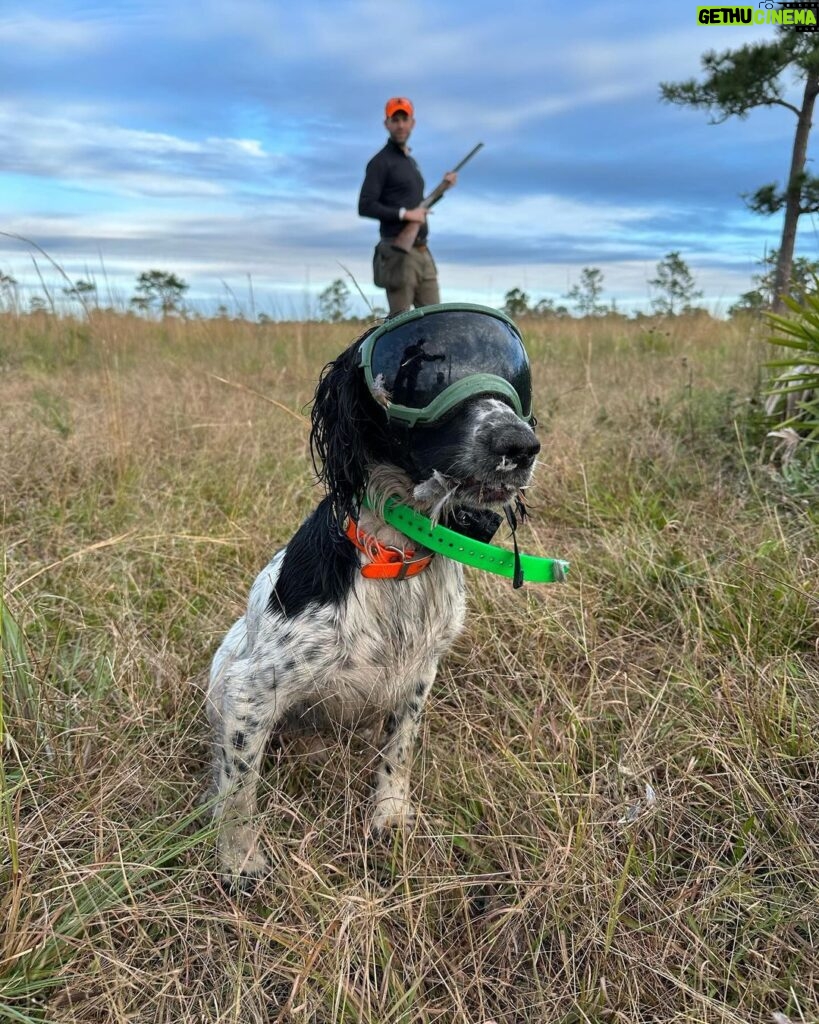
x: 386, y: 562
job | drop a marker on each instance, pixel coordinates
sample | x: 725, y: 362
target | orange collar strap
x: 385, y: 563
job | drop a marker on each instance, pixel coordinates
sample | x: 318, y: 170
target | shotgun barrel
x: 430, y: 201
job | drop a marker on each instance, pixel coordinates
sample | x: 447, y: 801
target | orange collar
x: 386, y: 563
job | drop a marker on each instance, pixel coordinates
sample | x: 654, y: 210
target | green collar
x: 459, y: 548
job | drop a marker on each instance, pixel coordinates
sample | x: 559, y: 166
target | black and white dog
x: 322, y: 647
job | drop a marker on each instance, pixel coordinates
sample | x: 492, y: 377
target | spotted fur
x: 322, y: 649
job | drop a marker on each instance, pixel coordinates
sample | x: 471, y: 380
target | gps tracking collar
x: 423, y: 363
x: 466, y: 549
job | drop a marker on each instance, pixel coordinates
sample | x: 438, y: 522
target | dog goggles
x: 422, y: 363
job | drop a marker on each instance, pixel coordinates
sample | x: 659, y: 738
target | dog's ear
x: 349, y: 431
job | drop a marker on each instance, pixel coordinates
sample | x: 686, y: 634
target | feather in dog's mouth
x: 440, y: 494
x: 482, y: 493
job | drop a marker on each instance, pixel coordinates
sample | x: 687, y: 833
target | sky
x: 226, y: 143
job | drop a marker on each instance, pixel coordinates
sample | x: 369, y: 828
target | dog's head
x: 444, y: 394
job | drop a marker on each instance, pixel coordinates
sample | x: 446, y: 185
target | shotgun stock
x: 405, y: 239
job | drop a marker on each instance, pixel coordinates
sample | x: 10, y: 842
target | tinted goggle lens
x: 413, y: 364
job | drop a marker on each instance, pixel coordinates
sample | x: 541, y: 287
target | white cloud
x: 504, y: 117
x: 280, y: 247
x: 38, y: 34
x: 583, y: 73
x: 96, y: 155
x: 539, y: 216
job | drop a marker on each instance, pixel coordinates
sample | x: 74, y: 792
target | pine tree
x: 515, y: 303
x: 586, y: 295
x: 159, y: 288
x: 738, y: 81
x: 675, y: 285
x: 334, y: 301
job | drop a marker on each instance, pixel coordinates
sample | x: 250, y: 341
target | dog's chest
x: 361, y: 659
x: 405, y: 623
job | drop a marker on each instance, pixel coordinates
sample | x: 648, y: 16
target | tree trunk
x: 793, y: 200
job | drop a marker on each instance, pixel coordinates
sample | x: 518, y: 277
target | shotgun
x: 405, y: 239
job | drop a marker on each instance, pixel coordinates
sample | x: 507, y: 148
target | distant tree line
x: 673, y: 292
x: 674, y: 289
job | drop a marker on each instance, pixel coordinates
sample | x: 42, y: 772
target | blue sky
x: 227, y: 143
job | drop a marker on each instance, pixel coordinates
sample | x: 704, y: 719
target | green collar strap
x: 459, y: 548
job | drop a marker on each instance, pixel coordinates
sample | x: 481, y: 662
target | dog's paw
x: 240, y: 885
x: 390, y: 813
x: 242, y: 862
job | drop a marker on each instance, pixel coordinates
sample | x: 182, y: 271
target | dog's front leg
x: 243, y: 721
x: 392, y: 807
x: 238, y: 756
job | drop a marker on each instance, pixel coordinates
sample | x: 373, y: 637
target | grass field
x: 618, y: 779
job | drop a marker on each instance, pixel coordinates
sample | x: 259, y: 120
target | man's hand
x: 451, y: 178
x: 417, y: 216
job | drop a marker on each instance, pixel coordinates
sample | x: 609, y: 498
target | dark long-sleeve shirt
x: 392, y: 180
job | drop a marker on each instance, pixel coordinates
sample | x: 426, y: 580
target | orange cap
x: 399, y: 103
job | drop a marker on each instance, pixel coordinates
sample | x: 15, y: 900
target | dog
x: 427, y: 409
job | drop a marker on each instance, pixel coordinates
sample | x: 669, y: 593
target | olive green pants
x: 410, y: 279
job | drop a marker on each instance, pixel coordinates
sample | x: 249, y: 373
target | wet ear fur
x: 349, y: 432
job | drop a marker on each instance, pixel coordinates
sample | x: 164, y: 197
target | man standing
x: 392, y: 192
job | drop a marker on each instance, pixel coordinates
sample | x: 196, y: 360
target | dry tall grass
x: 618, y: 777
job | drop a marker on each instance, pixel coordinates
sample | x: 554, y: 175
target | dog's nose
x: 514, y: 443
